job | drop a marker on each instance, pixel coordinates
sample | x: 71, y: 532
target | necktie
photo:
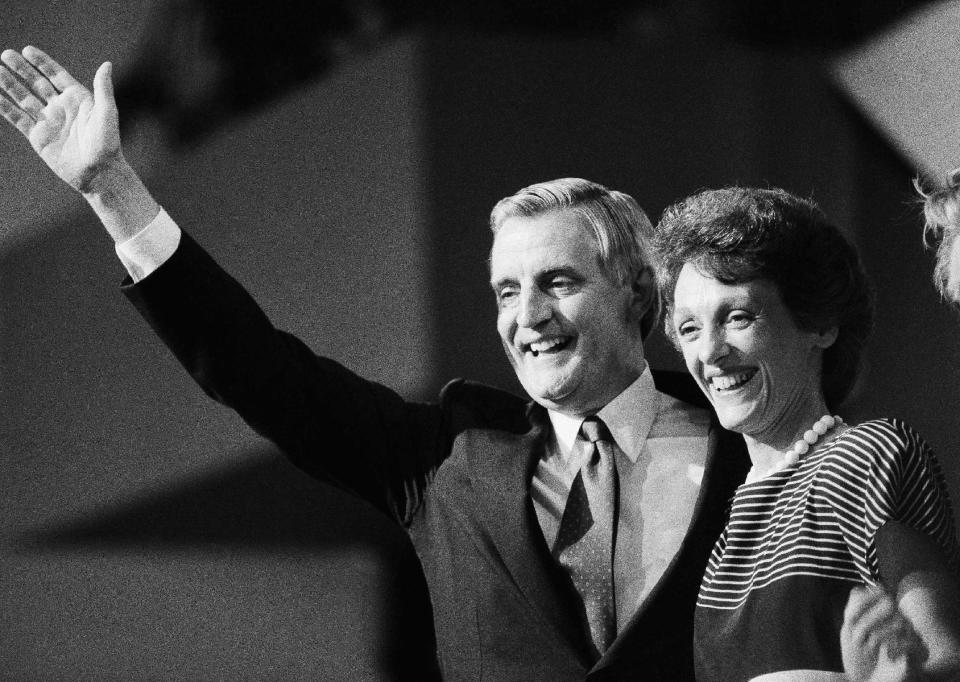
x: 585, y: 541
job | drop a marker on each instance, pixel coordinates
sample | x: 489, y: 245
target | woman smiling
x: 769, y: 304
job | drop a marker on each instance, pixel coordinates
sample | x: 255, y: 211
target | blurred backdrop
x: 340, y: 159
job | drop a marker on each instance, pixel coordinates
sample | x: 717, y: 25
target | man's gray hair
x: 620, y: 227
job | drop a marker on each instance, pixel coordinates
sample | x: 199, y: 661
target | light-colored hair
x: 619, y: 226
x: 941, y: 210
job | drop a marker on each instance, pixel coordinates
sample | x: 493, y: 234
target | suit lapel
x: 503, y: 469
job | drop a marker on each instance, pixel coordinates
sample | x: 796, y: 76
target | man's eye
x: 686, y: 330
x: 562, y: 285
x: 506, y: 296
x: 739, y: 319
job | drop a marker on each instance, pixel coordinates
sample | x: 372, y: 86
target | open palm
x: 73, y: 131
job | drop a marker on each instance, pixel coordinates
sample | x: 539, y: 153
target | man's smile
x: 553, y: 344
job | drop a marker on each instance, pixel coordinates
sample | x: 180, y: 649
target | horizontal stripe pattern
x: 820, y: 518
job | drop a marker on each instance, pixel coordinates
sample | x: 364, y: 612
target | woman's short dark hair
x: 740, y: 234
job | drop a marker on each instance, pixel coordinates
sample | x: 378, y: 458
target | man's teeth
x: 729, y: 381
x: 543, y: 346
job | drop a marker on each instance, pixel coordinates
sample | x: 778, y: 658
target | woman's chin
x: 738, y: 421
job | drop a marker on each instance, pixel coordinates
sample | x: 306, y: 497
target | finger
x: 902, y: 639
x: 894, y: 634
x: 861, y: 599
x: 887, y: 630
x: 882, y: 610
x: 35, y: 80
x: 16, y: 116
x: 870, y: 617
x: 19, y: 95
x: 896, y: 665
x: 46, y: 65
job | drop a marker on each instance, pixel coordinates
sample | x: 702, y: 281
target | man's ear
x: 644, y: 293
x: 826, y: 337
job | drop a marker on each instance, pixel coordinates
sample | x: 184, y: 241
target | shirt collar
x: 629, y: 417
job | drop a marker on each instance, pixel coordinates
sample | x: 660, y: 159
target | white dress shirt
x: 149, y: 248
x: 661, y: 448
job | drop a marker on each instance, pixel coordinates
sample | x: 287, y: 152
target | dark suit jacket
x: 455, y: 473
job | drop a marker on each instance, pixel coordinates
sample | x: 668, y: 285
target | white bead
x: 810, y: 437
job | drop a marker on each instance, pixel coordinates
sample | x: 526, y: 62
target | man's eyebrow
x: 565, y: 270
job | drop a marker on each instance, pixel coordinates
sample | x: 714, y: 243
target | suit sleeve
x: 333, y: 424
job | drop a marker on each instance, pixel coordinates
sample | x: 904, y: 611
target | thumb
x: 103, y: 86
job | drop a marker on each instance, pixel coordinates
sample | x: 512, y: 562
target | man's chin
x: 553, y: 390
x: 551, y: 397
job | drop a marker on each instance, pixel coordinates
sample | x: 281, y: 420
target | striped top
x: 795, y: 543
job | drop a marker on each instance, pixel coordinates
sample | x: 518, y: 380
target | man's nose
x: 534, y: 308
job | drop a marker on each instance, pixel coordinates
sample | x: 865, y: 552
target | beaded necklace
x: 810, y: 437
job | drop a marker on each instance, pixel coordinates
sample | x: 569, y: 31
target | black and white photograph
x: 502, y: 341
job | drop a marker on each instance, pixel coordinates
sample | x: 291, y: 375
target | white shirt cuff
x: 149, y: 248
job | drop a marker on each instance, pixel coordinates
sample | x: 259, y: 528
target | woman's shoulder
x: 881, y: 440
x: 882, y: 428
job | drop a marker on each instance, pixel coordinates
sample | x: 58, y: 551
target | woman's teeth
x: 730, y: 381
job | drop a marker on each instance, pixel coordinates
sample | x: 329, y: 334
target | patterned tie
x: 585, y: 541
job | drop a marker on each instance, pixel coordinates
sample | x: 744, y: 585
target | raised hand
x: 76, y: 134
x: 73, y: 131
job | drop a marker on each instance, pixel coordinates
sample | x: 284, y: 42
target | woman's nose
x: 713, y: 346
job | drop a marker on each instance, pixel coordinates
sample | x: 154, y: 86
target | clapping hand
x: 877, y: 641
x: 73, y: 130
